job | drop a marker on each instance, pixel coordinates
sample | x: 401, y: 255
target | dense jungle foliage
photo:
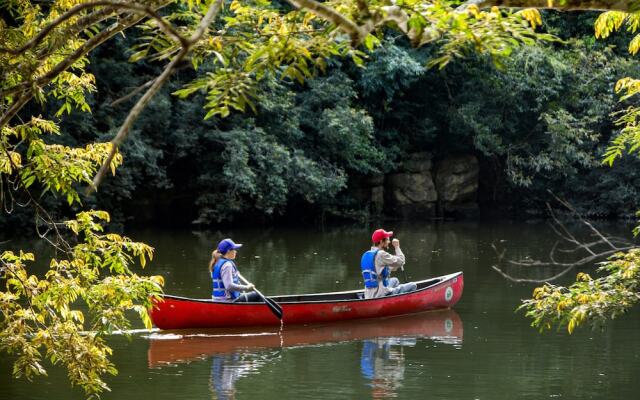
x: 538, y: 121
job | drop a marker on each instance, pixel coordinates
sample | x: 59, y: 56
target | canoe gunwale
x: 282, y: 299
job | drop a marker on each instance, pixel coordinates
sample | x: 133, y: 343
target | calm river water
x: 480, y: 350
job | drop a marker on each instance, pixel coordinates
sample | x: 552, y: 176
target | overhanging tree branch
x: 528, y: 280
x: 331, y: 15
x: 68, y: 61
x: 124, y: 130
x: 111, y: 6
x: 85, y: 21
x: 28, y: 87
x: 132, y: 93
x: 601, y: 248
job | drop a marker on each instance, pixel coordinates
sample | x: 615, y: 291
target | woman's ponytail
x: 215, y: 256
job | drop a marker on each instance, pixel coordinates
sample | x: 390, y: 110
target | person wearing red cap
x: 225, y: 277
x: 377, y: 265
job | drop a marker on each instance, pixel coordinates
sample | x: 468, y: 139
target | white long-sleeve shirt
x: 384, y: 259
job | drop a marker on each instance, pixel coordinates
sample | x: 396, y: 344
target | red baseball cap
x: 380, y: 234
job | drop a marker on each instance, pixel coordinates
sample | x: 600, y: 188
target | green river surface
x: 482, y: 349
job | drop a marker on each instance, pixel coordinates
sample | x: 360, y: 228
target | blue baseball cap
x: 227, y: 244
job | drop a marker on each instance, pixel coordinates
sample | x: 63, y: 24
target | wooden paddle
x: 273, y: 306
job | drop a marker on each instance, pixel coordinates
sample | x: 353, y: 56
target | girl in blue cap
x: 225, y: 277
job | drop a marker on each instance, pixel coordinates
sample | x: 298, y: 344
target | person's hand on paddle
x: 250, y: 286
x: 395, y: 243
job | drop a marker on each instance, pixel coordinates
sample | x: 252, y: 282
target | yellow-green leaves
x: 628, y: 86
x: 8, y: 161
x: 371, y: 42
x: 577, y: 318
x: 492, y: 32
x: 627, y: 120
x: 61, y: 168
x: 609, y: 22
x: 31, y: 130
x: 256, y: 40
x: 56, y: 168
x: 71, y: 89
x: 532, y: 15
x: 629, y: 137
x: 226, y: 89
x: 588, y: 300
x: 41, y: 315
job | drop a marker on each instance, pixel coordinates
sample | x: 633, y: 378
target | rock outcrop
x: 420, y: 189
x: 457, y: 186
x: 411, y: 194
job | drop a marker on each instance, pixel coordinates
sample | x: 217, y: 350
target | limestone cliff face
x: 457, y: 184
x: 420, y: 188
x: 411, y: 194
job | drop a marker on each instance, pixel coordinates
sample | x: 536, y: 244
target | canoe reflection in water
x: 236, y: 353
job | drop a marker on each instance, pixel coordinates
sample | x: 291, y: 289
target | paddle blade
x: 274, y: 307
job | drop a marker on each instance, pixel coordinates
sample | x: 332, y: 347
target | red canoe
x: 443, y: 326
x: 171, y: 312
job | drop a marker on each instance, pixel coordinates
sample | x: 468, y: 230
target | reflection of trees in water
x: 299, y: 260
x: 308, y: 260
x: 302, y: 260
x: 227, y: 369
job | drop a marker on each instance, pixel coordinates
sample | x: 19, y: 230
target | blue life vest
x: 368, y: 267
x: 367, y: 359
x: 371, y: 351
x: 216, y: 278
x: 223, y: 384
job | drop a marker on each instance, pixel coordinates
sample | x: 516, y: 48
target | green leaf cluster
x: 628, y: 139
x: 56, y: 168
x: 589, y: 300
x: 63, y: 315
